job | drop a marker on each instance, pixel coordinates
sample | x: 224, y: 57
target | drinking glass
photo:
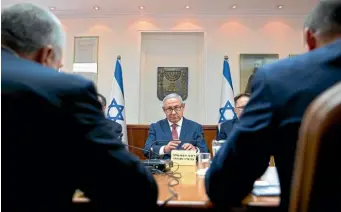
x: 204, y: 160
x: 216, y: 146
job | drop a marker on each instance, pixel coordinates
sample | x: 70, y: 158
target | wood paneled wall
x: 138, y: 134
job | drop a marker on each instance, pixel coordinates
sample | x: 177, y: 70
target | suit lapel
x: 184, y: 129
x: 235, y: 121
x: 166, y: 129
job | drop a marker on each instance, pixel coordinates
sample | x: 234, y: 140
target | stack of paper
x: 268, y: 185
x: 262, y: 188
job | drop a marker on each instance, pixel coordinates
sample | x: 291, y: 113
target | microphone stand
x: 151, y: 149
x: 155, y: 142
x: 134, y: 147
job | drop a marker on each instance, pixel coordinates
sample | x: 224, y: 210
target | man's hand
x: 188, y: 146
x: 171, y: 145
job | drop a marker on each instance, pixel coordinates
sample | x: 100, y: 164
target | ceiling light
x: 96, y: 7
x: 52, y: 8
x: 280, y: 6
x: 141, y: 7
x: 234, y: 7
x: 187, y: 7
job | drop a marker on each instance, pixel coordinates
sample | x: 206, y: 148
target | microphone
x: 164, y: 142
x: 151, y: 149
x: 154, y: 165
x: 134, y: 147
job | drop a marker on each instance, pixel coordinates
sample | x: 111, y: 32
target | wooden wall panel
x: 137, y: 136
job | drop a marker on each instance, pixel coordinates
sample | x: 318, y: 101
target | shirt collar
x: 9, y: 50
x: 179, y: 122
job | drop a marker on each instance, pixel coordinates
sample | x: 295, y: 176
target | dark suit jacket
x: 225, y: 129
x: 249, y: 81
x: 55, y: 139
x: 249, y: 84
x: 116, y: 129
x: 160, y: 131
x: 281, y: 93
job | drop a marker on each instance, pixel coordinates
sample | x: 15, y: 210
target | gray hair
x: 171, y: 96
x: 26, y: 28
x: 325, y: 18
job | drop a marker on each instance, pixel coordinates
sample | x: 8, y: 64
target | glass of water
x: 216, y: 146
x: 204, y: 160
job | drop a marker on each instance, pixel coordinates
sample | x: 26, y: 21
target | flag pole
x: 226, y: 58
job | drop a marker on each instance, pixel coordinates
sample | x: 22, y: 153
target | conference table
x: 190, y: 191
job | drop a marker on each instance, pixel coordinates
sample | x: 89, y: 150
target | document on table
x: 263, y: 188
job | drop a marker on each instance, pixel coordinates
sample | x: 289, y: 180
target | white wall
x: 172, y: 50
x: 120, y: 35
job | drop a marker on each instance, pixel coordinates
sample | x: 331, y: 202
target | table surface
x: 191, y: 189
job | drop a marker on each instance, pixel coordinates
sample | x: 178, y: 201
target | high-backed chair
x: 317, y: 178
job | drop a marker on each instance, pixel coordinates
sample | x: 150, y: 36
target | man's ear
x: 183, y: 105
x: 45, y: 56
x: 310, y: 39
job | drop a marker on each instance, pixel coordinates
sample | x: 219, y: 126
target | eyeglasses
x: 170, y: 109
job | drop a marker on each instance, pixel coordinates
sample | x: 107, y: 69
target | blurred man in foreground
x: 55, y: 137
x: 281, y: 92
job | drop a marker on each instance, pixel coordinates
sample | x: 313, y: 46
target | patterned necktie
x: 175, y: 135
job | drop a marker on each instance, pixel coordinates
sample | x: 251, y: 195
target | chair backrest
x: 317, y: 180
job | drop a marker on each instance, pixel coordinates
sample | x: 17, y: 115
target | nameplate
x: 183, y: 157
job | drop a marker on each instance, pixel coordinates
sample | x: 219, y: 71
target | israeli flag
x: 116, y: 109
x: 226, y: 111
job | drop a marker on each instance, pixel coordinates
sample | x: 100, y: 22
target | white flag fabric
x: 116, y: 109
x: 226, y: 111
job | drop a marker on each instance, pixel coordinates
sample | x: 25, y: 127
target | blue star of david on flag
x: 113, y: 107
x: 227, y: 107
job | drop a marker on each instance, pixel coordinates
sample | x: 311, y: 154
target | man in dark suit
x: 225, y: 129
x: 55, y: 138
x: 116, y: 127
x: 174, y: 132
x: 249, y: 81
x: 281, y: 93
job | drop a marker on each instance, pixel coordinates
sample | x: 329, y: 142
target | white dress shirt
x: 178, y: 129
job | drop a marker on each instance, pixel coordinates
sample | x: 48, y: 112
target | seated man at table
x: 116, y: 128
x: 269, y: 125
x: 225, y: 129
x: 174, y: 132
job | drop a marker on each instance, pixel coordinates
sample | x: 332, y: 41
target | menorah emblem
x: 172, y: 76
x: 172, y: 80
